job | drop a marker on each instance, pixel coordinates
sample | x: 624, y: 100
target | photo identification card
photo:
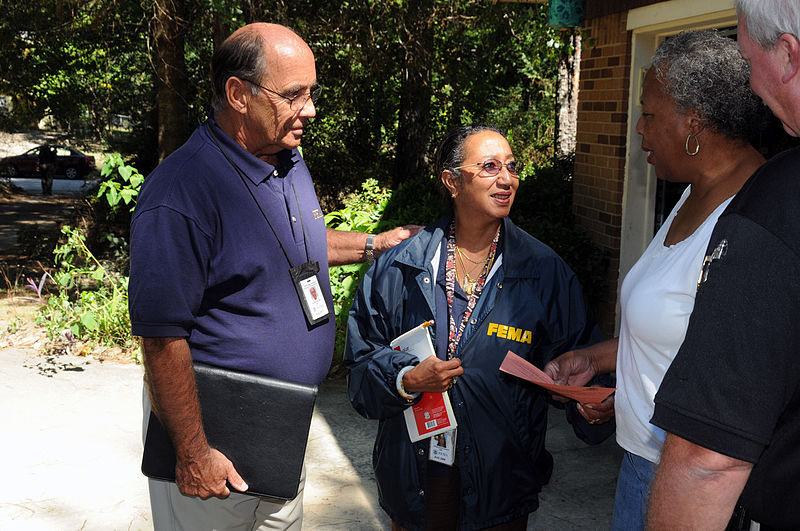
x: 443, y: 448
x: 306, y: 283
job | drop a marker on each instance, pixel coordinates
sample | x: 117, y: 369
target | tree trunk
x: 567, y: 103
x: 221, y: 30
x: 168, y: 28
x: 414, y: 132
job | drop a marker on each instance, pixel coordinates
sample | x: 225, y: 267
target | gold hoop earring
x: 697, y: 149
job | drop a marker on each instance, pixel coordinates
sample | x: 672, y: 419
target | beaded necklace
x: 450, y: 278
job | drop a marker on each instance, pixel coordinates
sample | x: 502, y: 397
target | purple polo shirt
x: 206, y: 266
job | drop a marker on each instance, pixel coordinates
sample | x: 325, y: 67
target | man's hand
x: 206, y: 476
x: 432, y: 375
x: 386, y: 240
x: 346, y: 247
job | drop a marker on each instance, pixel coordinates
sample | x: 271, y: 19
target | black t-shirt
x: 734, y: 386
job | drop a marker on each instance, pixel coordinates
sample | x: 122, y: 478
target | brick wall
x: 600, y: 149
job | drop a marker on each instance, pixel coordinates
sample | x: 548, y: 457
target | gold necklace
x: 468, y: 284
x: 463, y: 255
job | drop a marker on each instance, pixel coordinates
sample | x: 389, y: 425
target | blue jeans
x: 633, y: 493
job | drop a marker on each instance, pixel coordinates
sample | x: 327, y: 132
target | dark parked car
x: 70, y: 163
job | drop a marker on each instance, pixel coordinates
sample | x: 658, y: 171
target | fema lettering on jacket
x: 510, y: 332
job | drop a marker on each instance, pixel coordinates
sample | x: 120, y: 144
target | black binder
x: 260, y: 423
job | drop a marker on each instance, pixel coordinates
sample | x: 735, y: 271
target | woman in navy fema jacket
x: 490, y: 287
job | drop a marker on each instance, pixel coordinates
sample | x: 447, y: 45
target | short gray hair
x: 703, y: 71
x: 241, y: 55
x: 767, y: 20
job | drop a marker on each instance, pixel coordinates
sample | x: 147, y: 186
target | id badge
x: 309, y: 291
x: 443, y: 448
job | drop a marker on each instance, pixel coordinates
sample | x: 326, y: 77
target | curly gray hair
x: 767, y: 19
x: 703, y: 71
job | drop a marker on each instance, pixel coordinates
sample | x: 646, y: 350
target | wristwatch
x: 370, y: 256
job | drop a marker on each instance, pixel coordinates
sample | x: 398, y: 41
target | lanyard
x: 244, y: 181
x: 450, y: 276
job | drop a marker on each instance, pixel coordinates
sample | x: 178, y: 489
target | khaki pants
x: 172, y: 511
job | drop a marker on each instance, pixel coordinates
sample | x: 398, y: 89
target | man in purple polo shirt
x: 217, y: 228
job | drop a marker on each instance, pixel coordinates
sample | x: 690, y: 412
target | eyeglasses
x: 296, y: 102
x: 492, y: 167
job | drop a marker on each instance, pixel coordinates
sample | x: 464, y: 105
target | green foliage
x: 362, y: 214
x: 78, y: 61
x: 90, y: 302
x: 121, y: 182
x: 543, y: 208
x: 82, y: 61
x: 499, y: 65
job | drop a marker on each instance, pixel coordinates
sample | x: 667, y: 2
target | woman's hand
x: 598, y: 413
x: 578, y: 367
x: 571, y: 368
x: 432, y: 375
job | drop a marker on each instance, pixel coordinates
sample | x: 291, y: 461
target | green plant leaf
x: 88, y: 320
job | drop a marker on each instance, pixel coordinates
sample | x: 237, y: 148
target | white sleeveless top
x: 657, y: 298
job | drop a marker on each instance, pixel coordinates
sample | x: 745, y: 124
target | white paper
x: 433, y: 414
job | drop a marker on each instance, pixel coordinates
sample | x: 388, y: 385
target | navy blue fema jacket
x: 501, y: 419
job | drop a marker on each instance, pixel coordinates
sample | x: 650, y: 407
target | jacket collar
x: 420, y: 250
x: 521, y: 252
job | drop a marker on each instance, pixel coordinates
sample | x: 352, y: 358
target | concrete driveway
x: 72, y: 445
x: 60, y: 186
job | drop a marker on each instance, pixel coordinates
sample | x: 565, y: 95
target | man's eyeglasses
x: 296, y: 102
x: 491, y: 167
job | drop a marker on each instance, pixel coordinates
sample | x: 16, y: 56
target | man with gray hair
x: 730, y: 401
x: 220, y: 228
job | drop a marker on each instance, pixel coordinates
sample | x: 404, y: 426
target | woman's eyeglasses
x: 491, y: 167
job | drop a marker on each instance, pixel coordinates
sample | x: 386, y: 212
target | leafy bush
x: 121, y: 182
x: 543, y: 208
x: 362, y: 214
x: 91, y: 303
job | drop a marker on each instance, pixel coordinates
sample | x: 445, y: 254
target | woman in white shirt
x: 697, y: 115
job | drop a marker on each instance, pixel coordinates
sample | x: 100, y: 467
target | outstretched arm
x: 346, y: 247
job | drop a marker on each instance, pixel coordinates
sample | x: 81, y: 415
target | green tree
x: 397, y: 75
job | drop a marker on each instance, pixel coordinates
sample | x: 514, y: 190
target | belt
x: 741, y: 521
